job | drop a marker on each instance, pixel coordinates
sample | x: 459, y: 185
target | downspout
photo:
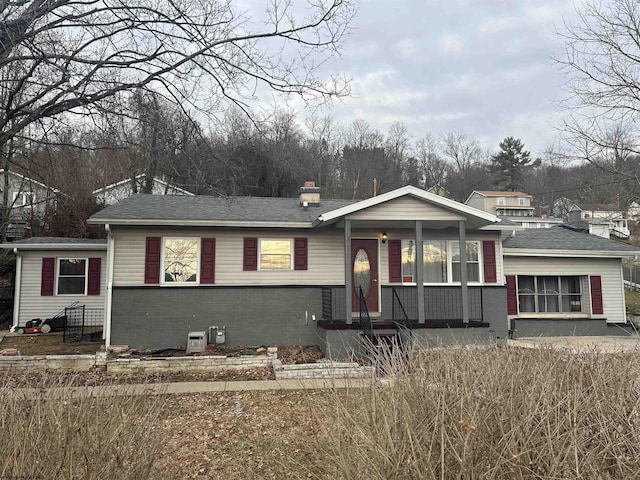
x: 109, y: 292
x: 16, y: 294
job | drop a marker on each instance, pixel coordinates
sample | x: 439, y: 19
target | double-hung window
x: 72, y: 276
x: 180, y: 260
x: 441, y: 261
x: 275, y: 254
x: 549, y: 294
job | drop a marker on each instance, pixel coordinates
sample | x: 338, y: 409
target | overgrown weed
x: 490, y: 413
x: 57, y: 431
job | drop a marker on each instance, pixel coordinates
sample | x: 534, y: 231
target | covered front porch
x: 416, y: 261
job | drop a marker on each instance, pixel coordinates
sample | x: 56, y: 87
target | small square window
x: 275, y: 254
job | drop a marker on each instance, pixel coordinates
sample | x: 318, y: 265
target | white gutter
x: 530, y: 252
x: 109, y: 288
x: 199, y: 223
x: 54, y: 246
x: 18, y: 281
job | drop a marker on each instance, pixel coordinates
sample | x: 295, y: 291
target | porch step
x: 323, y: 369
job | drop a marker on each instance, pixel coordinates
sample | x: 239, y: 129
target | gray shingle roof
x: 206, y: 208
x: 560, y: 238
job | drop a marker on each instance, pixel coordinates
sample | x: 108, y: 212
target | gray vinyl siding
x: 406, y: 209
x: 608, y: 268
x: 476, y: 201
x: 33, y: 305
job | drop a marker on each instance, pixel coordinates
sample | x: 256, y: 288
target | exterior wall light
x: 384, y: 237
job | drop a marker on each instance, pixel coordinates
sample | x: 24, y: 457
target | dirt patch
x: 47, y: 344
x: 292, y: 354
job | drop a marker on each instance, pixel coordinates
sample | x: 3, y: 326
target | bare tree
x: 60, y: 59
x: 602, y: 60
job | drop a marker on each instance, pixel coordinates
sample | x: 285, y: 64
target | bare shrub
x: 57, y: 431
x: 491, y: 413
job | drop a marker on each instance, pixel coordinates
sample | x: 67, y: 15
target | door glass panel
x: 362, y: 271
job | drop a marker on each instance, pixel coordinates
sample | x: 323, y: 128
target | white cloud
x: 450, y: 44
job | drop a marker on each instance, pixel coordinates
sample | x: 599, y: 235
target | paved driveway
x: 629, y: 343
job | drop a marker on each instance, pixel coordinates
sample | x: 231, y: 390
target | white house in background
x: 26, y: 199
x: 125, y: 188
x: 602, y: 220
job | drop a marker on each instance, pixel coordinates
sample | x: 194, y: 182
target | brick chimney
x: 309, y: 195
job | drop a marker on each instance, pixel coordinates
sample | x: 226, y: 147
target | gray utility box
x: 196, y: 342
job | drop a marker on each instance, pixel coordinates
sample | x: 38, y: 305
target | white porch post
x: 462, y: 234
x: 420, y: 272
x: 347, y: 269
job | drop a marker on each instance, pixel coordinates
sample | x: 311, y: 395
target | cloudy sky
x: 480, y: 67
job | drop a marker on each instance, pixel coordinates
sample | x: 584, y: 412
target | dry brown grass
x: 58, y: 434
x: 47, y: 344
x: 493, y: 414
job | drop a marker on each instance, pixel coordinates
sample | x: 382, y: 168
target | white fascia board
x: 198, y: 223
x: 408, y: 191
x: 54, y: 246
x: 530, y: 252
x: 31, y: 180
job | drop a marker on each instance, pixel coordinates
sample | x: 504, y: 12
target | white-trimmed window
x: 521, y: 202
x: 21, y: 199
x: 549, y: 294
x: 441, y: 261
x: 502, y: 201
x: 180, y: 260
x: 473, y: 261
x: 72, y: 276
x: 275, y: 254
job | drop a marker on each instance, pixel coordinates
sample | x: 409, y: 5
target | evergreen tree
x: 510, y: 164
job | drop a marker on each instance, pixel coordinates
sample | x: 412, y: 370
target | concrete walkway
x: 180, y: 388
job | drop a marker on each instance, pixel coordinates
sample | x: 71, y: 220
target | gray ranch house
x: 304, y: 270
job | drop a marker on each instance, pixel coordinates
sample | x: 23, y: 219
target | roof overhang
x: 531, y: 252
x: 466, y: 210
x: 54, y: 246
x: 146, y: 222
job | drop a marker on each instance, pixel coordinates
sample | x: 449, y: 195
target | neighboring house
x: 27, y: 199
x: 125, y: 188
x: 512, y: 206
x: 602, y: 220
x: 563, y: 282
x: 53, y: 273
x: 502, y: 203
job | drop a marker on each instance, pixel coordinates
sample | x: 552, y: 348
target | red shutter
x: 489, y: 261
x: 208, y: 260
x: 93, y: 287
x: 250, y: 254
x: 596, y: 295
x: 395, y: 260
x: 300, y: 253
x: 512, y: 295
x: 152, y: 261
x: 48, y: 276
